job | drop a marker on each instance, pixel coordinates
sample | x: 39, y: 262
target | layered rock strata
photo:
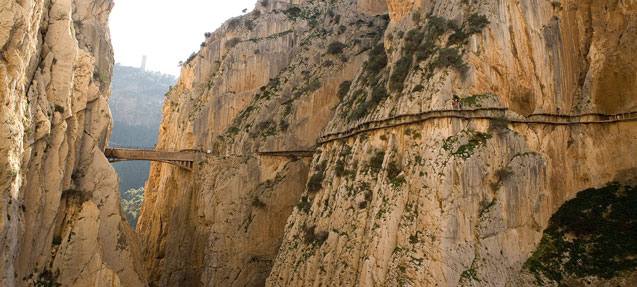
x: 532, y: 101
x: 265, y: 81
x: 460, y: 201
x: 63, y: 223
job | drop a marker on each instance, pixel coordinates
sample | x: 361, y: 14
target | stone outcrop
x: 446, y: 201
x: 464, y: 202
x: 262, y: 82
x: 63, y: 223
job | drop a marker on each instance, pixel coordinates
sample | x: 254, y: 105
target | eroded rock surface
x: 63, y: 220
x: 385, y: 201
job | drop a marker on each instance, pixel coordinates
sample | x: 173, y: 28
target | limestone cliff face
x: 405, y: 188
x: 262, y: 82
x: 453, y: 201
x: 63, y: 220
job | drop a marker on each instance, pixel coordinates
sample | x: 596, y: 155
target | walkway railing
x: 183, y: 159
x: 478, y: 113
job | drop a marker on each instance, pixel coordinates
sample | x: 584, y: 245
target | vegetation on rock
x: 315, y: 183
x: 594, y: 234
x: 132, y: 200
x: 335, y: 47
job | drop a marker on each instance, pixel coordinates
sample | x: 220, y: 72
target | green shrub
x: 453, y: 25
x: 59, y: 109
x: 436, y: 27
x: 339, y: 169
x: 292, y: 12
x: 504, y: 174
x: 304, y: 205
x: 449, y: 57
x: 345, y: 152
x: 358, y: 112
x: 415, y: 17
x: 311, y: 236
x: 377, y: 60
x: 283, y: 125
x: 474, y: 100
x: 233, y: 23
x: 335, y: 47
x: 412, y: 41
x: 594, y: 234
x: 465, y: 151
x: 343, y: 89
x: 57, y: 240
x: 379, y: 93
x: 72, y: 192
x: 249, y: 24
x: 401, y: 69
x: 312, y: 86
x: 458, y: 38
x: 376, y: 162
x: 392, y: 170
x: 132, y: 201
x: 265, y: 129
x: 392, y: 174
x: 470, y: 274
x: 425, y: 50
x: 231, y: 43
x: 256, y: 202
x: 316, y: 180
x: 308, y: 234
x: 476, y: 23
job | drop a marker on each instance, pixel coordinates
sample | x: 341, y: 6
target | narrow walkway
x: 186, y: 158
x: 288, y: 153
x: 183, y: 159
x: 479, y: 113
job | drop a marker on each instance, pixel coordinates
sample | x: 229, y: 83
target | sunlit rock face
x: 262, y: 82
x: 447, y: 201
x: 63, y: 220
x: 452, y: 202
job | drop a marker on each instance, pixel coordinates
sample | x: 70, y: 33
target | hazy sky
x: 166, y: 31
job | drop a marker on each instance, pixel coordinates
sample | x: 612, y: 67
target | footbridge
x: 183, y: 158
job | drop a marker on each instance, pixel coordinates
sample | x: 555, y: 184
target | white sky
x: 166, y: 31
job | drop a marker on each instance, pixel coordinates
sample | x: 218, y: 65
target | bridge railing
x: 111, y: 145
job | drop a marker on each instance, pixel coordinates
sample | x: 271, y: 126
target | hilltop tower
x: 143, y: 63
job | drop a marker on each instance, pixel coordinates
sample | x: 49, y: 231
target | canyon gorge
x: 340, y: 143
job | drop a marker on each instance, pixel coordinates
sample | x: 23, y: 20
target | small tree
x: 335, y: 47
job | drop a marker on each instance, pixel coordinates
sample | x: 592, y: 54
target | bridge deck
x: 184, y: 159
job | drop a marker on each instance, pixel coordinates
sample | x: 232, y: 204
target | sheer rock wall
x: 63, y: 220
